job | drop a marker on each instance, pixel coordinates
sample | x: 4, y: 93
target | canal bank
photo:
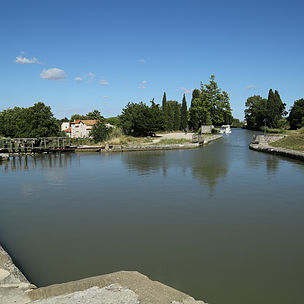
x: 128, y: 287
x: 199, y: 141
x: 261, y: 143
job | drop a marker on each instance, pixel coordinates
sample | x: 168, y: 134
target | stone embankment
x: 127, y: 287
x: 261, y: 143
x: 148, y: 147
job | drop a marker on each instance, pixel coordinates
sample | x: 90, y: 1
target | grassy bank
x: 294, y: 141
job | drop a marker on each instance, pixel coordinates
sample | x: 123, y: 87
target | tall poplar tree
x: 165, y: 112
x: 275, y: 109
x: 184, y: 114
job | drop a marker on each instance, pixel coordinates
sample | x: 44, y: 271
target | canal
x: 222, y: 223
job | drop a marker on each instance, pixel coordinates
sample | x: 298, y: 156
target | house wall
x: 65, y: 125
x: 80, y: 130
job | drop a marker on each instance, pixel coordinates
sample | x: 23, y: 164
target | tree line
x: 272, y: 112
x: 209, y: 105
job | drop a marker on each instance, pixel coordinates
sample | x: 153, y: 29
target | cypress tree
x: 164, y: 102
x: 184, y: 114
x: 165, y: 112
x: 177, y: 116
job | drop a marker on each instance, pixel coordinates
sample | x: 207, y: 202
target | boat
x: 225, y: 129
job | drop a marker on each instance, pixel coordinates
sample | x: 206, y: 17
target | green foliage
x: 114, y: 121
x: 275, y: 109
x: 35, y: 121
x: 173, y: 115
x: 296, y: 115
x: 209, y: 105
x: 236, y: 123
x: 77, y: 117
x: 94, y: 115
x: 138, y: 119
x: 273, y: 131
x: 100, y: 131
x: 255, y: 112
x: 184, y: 114
x: 258, y: 109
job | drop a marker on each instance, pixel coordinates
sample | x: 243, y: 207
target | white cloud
x: 185, y: 90
x: 142, y: 60
x: 251, y: 86
x: 53, y: 74
x: 89, y: 77
x: 105, y: 97
x: 103, y: 82
x: 24, y: 60
x: 142, y: 85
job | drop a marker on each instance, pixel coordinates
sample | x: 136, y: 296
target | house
x: 82, y: 128
x: 66, y: 127
x: 78, y: 128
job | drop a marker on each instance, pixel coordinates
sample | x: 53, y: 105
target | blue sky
x: 77, y: 56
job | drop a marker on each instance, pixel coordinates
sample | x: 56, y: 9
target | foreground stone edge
x: 130, y: 287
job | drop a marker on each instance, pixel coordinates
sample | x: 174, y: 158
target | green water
x: 222, y: 223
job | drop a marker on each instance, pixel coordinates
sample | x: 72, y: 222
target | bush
x: 100, y: 132
x: 273, y: 131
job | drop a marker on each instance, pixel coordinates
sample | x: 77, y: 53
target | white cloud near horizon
x: 53, y: 74
x: 143, y: 84
x: 251, y: 86
x: 185, y: 90
x: 103, y: 82
x: 24, y: 60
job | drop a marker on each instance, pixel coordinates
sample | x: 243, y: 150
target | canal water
x: 222, y: 223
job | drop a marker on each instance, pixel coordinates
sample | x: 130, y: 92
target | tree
x: 167, y: 113
x: 210, y: 105
x: 95, y: 115
x: 275, y: 109
x: 100, y: 131
x: 256, y: 112
x: 177, y: 117
x: 296, y: 115
x: 184, y: 114
x: 35, y: 121
x: 41, y: 121
x: 75, y: 117
x: 138, y: 119
x: 113, y: 121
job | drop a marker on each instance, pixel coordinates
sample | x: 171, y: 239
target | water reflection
x: 43, y: 161
x: 208, y: 164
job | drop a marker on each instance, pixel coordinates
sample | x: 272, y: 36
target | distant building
x: 66, y: 127
x: 78, y: 128
x: 82, y: 128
